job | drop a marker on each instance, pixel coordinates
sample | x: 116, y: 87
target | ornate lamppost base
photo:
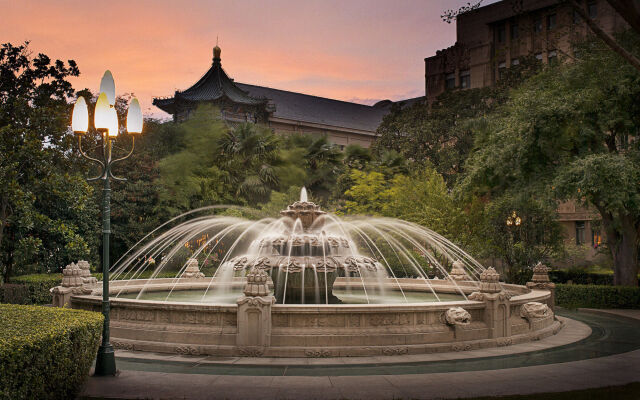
x: 105, y: 361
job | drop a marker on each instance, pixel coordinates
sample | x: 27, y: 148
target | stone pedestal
x: 457, y: 271
x: 254, y: 315
x: 498, y: 306
x: 192, y: 271
x: 540, y: 280
x: 76, y: 279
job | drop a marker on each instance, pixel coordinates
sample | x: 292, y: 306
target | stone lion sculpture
x: 535, y: 310
x: 457, y: 316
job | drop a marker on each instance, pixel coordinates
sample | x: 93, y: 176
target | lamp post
x: 106, y: 123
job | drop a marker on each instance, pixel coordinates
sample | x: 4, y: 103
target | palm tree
x: 250, y: 152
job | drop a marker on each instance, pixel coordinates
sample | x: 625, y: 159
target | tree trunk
x: 623, y: 243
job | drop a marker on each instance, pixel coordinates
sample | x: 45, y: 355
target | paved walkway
x: 604, y: 358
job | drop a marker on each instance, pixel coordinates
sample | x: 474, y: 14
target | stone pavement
x: 157, y: 379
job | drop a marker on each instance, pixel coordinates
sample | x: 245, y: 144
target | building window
x: 514, y: 31
x: 596, y: 238
x: 539, y: 56
x: 551, y: 22
x: 579, y: 233
x: 552, y: 56
x: 592, y: 9
x: 576, y: 17
x: 500, y: 33
x: 515, y: 61
x: 502, y: 67
x: 537, y: 25
x: 450, y: 81
x: 465, y: 79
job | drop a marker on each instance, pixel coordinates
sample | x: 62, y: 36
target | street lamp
x: 513, y: 219
x: 105, y: 121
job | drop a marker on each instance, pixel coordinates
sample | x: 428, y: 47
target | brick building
x: 493, y: 38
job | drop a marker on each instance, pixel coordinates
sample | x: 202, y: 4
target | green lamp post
x: 106, y: 124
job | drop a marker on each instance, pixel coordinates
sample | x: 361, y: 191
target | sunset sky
x: 354, y: 50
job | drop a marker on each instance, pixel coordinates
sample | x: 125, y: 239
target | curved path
x: 594, y: 349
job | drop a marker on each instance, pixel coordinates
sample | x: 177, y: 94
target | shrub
x: 35, y: 289
x: 45, y: 352
x: 597, y: 296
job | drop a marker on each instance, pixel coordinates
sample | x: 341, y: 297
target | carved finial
x: 540, y: 273
x: 256, y: 283
x: 457, y: 271
x: 216, y: 52
x: 490, y: 281
x: 192, y: 270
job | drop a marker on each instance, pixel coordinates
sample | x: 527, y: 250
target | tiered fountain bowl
x: 310, y: 284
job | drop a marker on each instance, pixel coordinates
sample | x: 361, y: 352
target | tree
x: 192, y: 175
x: 571, y: 131
x: 522, y: 243
x: 442, y: 134
x: 319, y: 160
x: 251, y: 154
x: 47, y: 213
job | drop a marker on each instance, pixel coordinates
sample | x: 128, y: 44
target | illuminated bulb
x: 134, y: 117
x: 113, y: 123
x: 102, y: 115
x: 108, y: 86
x: 80, y: 116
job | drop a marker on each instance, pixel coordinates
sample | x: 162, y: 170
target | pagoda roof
x: 319, y: 110
x: 214, y: 85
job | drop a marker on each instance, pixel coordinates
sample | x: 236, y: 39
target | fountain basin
x: 316, y: 330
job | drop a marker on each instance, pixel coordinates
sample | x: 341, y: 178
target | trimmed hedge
x: 46, y: 352
x: 597, y: 296
x: 30, y: 289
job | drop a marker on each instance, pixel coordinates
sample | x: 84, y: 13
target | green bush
x: 597, y: 296
x: 35, y: 291
x: 45, y: 352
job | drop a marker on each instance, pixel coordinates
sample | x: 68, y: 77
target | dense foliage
x: 47, y: 212
x: 45, y: 353
x: 570, y: 132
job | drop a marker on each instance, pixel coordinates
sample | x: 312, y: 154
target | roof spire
x: 216, y: 52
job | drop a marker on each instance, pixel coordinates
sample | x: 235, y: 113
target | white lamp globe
x: 134, y: 117
x: 108, y: 86
x: 101, y: 118
x: 80, y: 116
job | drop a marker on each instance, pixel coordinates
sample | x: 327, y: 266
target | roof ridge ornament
x: 216, y: 52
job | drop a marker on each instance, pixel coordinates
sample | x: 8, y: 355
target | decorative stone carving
x: 319, y: 353
x: 497, y: 303
x: 501, y: 342
x: 534, y: 310
x: 85, y: 273
x: 457, y: 271
x: 541, y: 281
x: 71, y: 276
x: 192, y: 270
x: 187, y: 350
x: 123, y: 345
x: 256, y: 283
x: 357, y: 264
x: 490, y: 281
x: 461, y: 347
x: 254, y: 311
x: 251, y: 351
x: 395, y: 351
x: 456, y: 316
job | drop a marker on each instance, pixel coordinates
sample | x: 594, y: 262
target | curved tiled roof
x: 319, y: 110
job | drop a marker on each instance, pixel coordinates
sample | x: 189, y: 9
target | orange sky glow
x: 353, y: 50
